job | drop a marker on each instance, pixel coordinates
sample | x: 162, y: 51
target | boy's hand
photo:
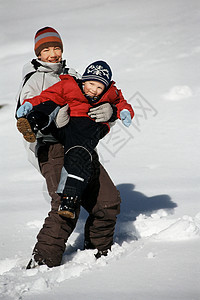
x: 125, y: 117
x: 24, y: 109
x: 62, y: 117
x: 101, y: 113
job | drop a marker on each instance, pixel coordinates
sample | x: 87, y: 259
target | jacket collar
x: 47, y: 67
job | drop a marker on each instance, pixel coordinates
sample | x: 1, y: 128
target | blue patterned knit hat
x: 98, y: 71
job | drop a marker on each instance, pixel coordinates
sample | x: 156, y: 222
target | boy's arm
x: 122, y: 104
x: 53, y: 93
x: 53, y: 96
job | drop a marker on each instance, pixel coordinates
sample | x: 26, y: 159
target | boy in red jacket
x: 82, y: 134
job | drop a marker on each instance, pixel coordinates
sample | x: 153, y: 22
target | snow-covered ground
x: 154, y: 50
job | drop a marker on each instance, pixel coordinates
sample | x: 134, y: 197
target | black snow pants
x: 79, y: 138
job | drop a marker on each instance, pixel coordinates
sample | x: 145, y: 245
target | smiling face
x: 51, y: 54
x: 93, y: 88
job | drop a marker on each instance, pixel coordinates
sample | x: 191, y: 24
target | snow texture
x: 154, y: 52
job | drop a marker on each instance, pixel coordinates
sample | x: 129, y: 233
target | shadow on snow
x: 133, y: 204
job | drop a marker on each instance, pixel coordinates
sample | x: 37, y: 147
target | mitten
x: 24, y: 109
x: 101, y: 113
x: 125, y: 117
x: 62, y: 117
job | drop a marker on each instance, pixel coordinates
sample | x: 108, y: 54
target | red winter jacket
x: 68, y: 92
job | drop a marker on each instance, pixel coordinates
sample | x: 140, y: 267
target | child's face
x: 93, y: 88
x: 51, y: 54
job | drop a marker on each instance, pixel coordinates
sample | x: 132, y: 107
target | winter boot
x: 68, y: 206
x: 24, y: 127
x: 30, y: 125
x: 101, y: 253
x: 34, y: 264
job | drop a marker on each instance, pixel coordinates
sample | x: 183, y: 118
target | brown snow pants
x: 101, y: 199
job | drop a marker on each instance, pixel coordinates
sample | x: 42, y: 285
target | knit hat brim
x: 95, y: 78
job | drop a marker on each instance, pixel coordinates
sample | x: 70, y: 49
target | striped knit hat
x: 47, y: 37
x: 98, y: 71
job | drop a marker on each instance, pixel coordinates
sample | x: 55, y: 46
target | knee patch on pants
x: 78, y: 161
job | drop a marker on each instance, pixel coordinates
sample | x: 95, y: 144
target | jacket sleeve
x: 121, y: 104
x: 53, y: 93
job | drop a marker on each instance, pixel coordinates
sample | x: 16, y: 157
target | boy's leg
x: 79, y: 138
x: 37, y: 119
x: 74, y: 178
x: 102, y: 200
x: 52, y: 237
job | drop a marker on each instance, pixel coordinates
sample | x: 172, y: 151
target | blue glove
x: 24, y: 109
x: 125, y: 117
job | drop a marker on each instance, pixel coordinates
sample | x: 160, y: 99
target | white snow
x: 179, y: 93
x: 154, y: 50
